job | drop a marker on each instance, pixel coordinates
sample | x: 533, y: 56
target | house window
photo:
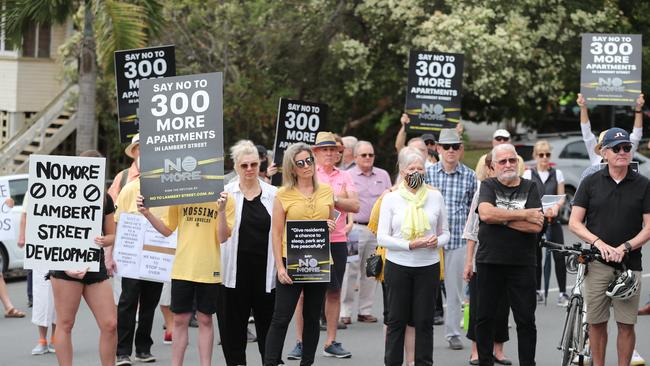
x: 4, y: 127
x: 36, y: 41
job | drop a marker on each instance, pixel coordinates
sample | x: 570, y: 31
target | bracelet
x: 595, y: 240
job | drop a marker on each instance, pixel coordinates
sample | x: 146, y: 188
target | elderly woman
x: 412, y: 224
x: 550, y: 181
x: 245, y: 234
x: 299, y: 198
x: 469, y: 274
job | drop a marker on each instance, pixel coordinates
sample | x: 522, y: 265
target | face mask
x: 414, y: 180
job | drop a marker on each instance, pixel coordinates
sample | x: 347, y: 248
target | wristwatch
x: 628, y: 246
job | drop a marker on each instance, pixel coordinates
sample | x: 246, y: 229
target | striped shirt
x: 457, y: 188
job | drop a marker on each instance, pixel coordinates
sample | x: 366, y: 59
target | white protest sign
x: 7, y: 230
x: 64, y: 212
x: 141, y: 252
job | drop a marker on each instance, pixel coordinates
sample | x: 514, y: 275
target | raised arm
x: 637, y: 130
x: 400, y: 140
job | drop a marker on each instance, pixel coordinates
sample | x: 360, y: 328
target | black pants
x: 235, y: 305
x: 554, y: 234
x: 501, y: 320
x: 518, y: 283
x: 134, y: 292
x: 411, y: 299
x: 440, y: 311
x: 286, y: 299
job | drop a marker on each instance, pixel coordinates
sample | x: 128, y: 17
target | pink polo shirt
x: 337, y: 179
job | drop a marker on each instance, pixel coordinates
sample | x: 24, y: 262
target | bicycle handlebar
x: 576, y: 248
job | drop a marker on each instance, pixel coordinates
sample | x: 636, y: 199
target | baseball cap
x: 501, y: 133
x: 615, y: 136
x: 428, y: 137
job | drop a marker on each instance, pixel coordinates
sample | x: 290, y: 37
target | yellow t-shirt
x: 126, y: 202
x: 198, y: 255
x: 299, y: 207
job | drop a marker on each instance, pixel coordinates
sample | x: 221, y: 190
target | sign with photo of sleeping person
x: 308, y: 251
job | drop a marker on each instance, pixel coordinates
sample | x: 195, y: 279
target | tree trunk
x: 86, y: 118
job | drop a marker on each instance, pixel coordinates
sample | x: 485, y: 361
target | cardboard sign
x: 298, y: 121
x: 141, y: 252
x: 64, y: 212
x: 132, y: 66
x: 308, y: 251
x: 611, y: 68
x: 7, y: 226
x: 181, y: 139
x: 433, y: 93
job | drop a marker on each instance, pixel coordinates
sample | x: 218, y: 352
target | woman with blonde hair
x: 247, y: 265
x: 301, y: 197
x: 550, y: 181
x: 412, y: 224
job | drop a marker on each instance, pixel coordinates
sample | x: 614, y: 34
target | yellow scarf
x: 415, y: 222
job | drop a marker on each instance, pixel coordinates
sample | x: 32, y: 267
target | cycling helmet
x: 624, y: 286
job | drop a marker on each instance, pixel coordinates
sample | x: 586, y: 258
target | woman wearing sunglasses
x: 550, y: 181
x: 301, y: 197
x: 248, y: 271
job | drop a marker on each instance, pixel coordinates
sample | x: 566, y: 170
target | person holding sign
x: 301, y: 197
x: 195, y: 272
x: 550, y: 181
x: 593, y: 147
x: 412, y: 224
x: 69, y: 286
x: 246, y: 255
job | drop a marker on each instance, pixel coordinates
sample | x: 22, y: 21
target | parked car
x: 12, y: 256
x: 571, y: 157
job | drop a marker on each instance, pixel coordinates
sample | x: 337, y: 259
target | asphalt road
x: 365, y: 341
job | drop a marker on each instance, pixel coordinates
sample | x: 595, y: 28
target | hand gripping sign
x: 64, y: 212
x: 611, y: 68
x: 181, y: 139
x: 132, y: 66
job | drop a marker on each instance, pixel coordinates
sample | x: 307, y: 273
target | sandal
x: 14, y: 313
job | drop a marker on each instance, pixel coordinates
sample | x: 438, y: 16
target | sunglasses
x: 617, y: 148
x: 502, y: 139
x: 453, y: 146
x: 245, y: 166
x: 429, y: 142
x: 309, y: 161
x: 544, y: 155
x: 512, y: 161
x: 367, y: 155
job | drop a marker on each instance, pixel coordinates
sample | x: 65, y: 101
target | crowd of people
x: 439, y: 227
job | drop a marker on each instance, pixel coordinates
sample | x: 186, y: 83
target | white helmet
x: 624, y: 286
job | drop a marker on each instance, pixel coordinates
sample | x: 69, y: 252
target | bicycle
x: 575, y: 332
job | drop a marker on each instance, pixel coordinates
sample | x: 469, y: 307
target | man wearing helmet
x: 611, y: 211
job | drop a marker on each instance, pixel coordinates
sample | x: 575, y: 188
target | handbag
x: 374, y: 265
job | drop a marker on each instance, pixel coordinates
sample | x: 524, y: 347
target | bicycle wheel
x: 568, y: 344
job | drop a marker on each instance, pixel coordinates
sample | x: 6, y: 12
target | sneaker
x: 123, y: 360
x: 336, y: 350
x: 540, y: 297
x: 50, y: 348
x: 455, y: 343
x: 438, y: 320
x: 251, y: 319
x: 193, y: 322
x: 250, y: 337
x: 40, y: 349
x: 563, y: 300
x: 296, y: 353
x: 637, y: 360
x: 145, y: 357
x: 167, y: 338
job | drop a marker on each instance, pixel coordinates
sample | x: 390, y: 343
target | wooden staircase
x: 40, y: 135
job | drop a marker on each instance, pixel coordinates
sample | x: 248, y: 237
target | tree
x: 108, y: 25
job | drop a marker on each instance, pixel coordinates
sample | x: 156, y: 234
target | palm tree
x: 108, y: 25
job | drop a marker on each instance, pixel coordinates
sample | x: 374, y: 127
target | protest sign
x: 181, y: 139
x: 611, y: 68
x: 132, y: 66
x: 308, y: 251
x: 297, y: 121
x: 433, y: 92
x: 141, y: 252
x: 7, y: 227
x: 64, y: 212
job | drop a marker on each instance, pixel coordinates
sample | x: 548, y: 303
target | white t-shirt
x: 544, y: 175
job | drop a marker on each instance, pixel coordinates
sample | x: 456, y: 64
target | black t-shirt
x: 499, y: 244
x: 615, y: 211
x: 254, y: 229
